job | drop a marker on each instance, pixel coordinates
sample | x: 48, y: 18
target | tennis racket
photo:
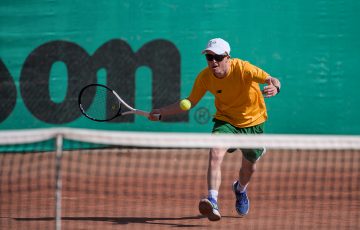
x: 100, y: 103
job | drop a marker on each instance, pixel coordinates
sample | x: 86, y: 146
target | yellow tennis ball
x: 185, y: 104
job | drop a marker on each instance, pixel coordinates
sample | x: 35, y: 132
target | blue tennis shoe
x: 242, y: 203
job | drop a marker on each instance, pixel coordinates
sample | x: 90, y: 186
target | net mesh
x: 125, y: 180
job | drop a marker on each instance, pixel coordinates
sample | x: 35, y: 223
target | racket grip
x: 158, y: 116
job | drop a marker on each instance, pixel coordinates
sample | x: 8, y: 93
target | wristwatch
x: 278, y: 89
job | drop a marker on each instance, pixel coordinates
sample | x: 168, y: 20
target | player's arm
x: 272, y: 88
x: 168, y: 110
x: 260, y: 76
x: 196, y: 94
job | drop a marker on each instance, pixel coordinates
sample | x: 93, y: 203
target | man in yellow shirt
x: 240, y: 108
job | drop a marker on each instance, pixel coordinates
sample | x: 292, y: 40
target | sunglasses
x: 217, y: 58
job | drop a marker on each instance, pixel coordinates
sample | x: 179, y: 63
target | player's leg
x: 246, y: 171
x: 242, y: 204
x: 209, y: 206
x: 248, y: 167
x: 216, y: 157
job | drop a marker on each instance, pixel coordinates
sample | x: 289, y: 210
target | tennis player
x: 240, y: 109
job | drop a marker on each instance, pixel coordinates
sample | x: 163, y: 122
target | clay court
x: 160, y: 189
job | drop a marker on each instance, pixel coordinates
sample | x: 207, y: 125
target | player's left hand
x: 272, y: 88
x: 269, y: 91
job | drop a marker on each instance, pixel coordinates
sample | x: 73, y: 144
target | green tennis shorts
x: 251, y: 155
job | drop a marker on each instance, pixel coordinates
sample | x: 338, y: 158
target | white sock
x: 241, y: 188
x: 213, y: 194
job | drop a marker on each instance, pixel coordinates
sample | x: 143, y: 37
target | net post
x: 58, y: 181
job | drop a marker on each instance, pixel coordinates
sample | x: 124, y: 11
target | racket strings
x: 104, y: 105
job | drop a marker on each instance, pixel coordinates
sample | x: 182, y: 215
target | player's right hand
x: 155, y: 115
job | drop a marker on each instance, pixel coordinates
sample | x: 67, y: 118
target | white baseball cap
x: 218, y: 46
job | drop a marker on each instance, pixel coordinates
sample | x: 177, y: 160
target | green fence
x: 152, y: 49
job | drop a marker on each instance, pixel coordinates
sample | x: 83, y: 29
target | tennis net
x: 64, y: 178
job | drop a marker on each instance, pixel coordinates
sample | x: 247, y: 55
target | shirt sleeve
x: 255, y: 73
x: 198, y: 90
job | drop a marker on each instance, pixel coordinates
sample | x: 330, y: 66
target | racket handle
x: 145, y: 114
x: 158, y: 116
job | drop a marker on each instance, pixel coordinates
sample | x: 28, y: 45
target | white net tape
x: 182, y: 140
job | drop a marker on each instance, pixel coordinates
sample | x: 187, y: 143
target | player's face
x: 218, y: 64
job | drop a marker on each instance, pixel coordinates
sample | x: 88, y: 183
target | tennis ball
x: 185, y: 104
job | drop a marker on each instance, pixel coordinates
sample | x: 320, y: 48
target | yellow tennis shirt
x: 238, y: 98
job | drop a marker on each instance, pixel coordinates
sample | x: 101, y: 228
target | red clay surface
x: 160, y: 189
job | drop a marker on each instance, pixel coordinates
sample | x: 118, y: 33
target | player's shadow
x: 127, y: 220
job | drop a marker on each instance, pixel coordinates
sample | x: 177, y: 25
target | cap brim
x: 215, y: 50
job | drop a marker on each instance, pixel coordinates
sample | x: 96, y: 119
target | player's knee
x: 216, y: 156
